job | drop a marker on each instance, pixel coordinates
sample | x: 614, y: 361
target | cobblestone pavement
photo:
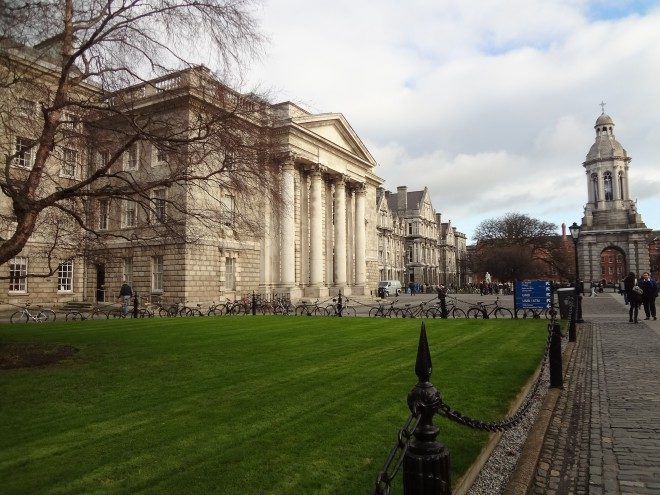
x: 604, y: 437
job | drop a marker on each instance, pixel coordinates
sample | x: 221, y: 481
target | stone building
x: 613, y: 235
x: 413, y: 243
x: 314, y: 236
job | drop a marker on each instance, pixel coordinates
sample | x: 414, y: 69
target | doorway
x: 100, y: 283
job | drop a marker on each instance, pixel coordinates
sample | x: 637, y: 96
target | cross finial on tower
x: 602, y: 105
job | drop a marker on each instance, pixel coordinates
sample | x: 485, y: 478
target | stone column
x: 316, y: 231
x: 340, y: 232
x: 616, y: 191
x: 590, y: 189
x: 360, y: 240
x: 601, y: 190
x: 288, y: 248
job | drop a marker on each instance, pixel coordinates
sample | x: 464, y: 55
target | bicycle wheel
x: 502, y: 313
x: 319, y: 311
x: 376, y: 312
x: 99, y: 315
x: 405, y: 313
x: 162, y: 312
x: 19, y: 317
x: 49, y: 314
x: 349, y: 311
x: 475, y: 313
x: 301, y: 310
x: 458, y: 313
x: 74, y: 316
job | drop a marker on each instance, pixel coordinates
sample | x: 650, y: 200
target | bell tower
x: 611, y: 221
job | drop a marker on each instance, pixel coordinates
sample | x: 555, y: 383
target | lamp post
x: 575, y: 234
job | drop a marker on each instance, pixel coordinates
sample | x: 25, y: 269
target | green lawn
x: 244, y: 405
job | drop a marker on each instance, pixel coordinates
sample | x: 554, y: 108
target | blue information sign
x: 533, y: 294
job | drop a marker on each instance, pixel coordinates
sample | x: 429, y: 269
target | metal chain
x: 395, y: 459
x: 441, y: 407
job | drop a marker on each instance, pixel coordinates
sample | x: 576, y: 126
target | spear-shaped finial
x: 423, y: 366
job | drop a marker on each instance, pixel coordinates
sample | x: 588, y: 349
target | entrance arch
x: 613, y: 266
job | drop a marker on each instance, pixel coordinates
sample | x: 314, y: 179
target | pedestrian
x: 634, y: 296
x: 125, y: 294
x: 650, y: 288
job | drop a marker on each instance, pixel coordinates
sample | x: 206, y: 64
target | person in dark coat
x: 634, y: 298
x: 650, y: 288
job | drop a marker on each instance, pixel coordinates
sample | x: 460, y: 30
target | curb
x: 523, y: 476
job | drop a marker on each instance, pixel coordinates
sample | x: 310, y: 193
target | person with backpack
x: 634, y: 295
x: 125, y: 294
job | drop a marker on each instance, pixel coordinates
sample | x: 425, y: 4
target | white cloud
x: 489, y: 104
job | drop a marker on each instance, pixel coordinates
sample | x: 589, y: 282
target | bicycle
x: 310, y: 309
x: 452, y: 310
x: 333, y: 309
x: 25, y: 316
x: 282, y: 306
x: 481, y: 310
x: 384, y: 310
x: 95, y: 313
x: 191, y: 310
x: 534, y: 313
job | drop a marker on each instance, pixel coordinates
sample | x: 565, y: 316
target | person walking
x: 634, y: 298
x: 650, y: 288
x: 125, y: 294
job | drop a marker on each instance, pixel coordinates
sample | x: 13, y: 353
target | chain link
x: 395, y: 459
x: 441, y: 407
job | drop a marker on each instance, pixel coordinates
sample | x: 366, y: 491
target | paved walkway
x: 604, y: 437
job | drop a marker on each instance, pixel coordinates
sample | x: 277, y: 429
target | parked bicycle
x: 310, y: 309
x: 38, y: 315
x: 95, y: 313
x: 384, y: 310
x: 282, y: 306
x: 346, y: 309
x: 452, y: 310
x: 480, y: 310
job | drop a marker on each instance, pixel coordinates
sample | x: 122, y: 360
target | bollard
x: 554, y: 355
x: 443, y: 304
x: 426, y: 462
x: 254, y: 304
x: 136, y: 305
x: 573, y: 320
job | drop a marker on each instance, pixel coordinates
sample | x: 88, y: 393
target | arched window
x: 607, y: 180
x: 594, y: 185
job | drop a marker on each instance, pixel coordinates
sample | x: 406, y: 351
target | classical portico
x: 611, y: 220
x: 320, y: 241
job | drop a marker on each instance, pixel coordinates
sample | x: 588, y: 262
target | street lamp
x: 575, y: 234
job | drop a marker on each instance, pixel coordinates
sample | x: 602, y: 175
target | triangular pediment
x: 333, y: 127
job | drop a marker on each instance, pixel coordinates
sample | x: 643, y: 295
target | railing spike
x: 423, y: 365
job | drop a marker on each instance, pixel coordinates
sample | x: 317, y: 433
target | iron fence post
x: 443, y: 303
x: 254, y: 304
x: 554, y: 354
x: 573, y: 319
x: 340, y: 305
x: 426, y: 462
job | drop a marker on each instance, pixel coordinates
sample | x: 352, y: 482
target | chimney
x: 402, y: 197
x: 563, y: 231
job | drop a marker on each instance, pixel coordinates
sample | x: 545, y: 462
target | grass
x: 244, y: 405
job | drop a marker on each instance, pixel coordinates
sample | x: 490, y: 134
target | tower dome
x: 606, y: 146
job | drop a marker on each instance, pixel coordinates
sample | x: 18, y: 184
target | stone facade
x: 414, y: 245
x: 320, y: 238
x: 611, y: 220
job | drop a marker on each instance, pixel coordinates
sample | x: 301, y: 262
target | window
x: 24, y: 153
x: 131, y: 158
x: 104, y: 214
x: 157, y: 274
x: 18, y: 274
x: 128, y: 271
x: 228, y: 208
x: 230, y: 273
x: 230, y: 161
x: 26, y: 107
x: 70, y: 121
x: 410, y: 228
x: 69, y: 163
x: 607, y: 179
x: 65, y: 276
x: 129, y: 217
x: 159, y: 204
x: 159, y: 154
x: 102, y: 159
x: 410, y: 255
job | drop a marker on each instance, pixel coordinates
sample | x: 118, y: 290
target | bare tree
x: 106, y: 119
x: 517, y: 246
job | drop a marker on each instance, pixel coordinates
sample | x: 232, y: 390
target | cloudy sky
x: 490, y: 104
